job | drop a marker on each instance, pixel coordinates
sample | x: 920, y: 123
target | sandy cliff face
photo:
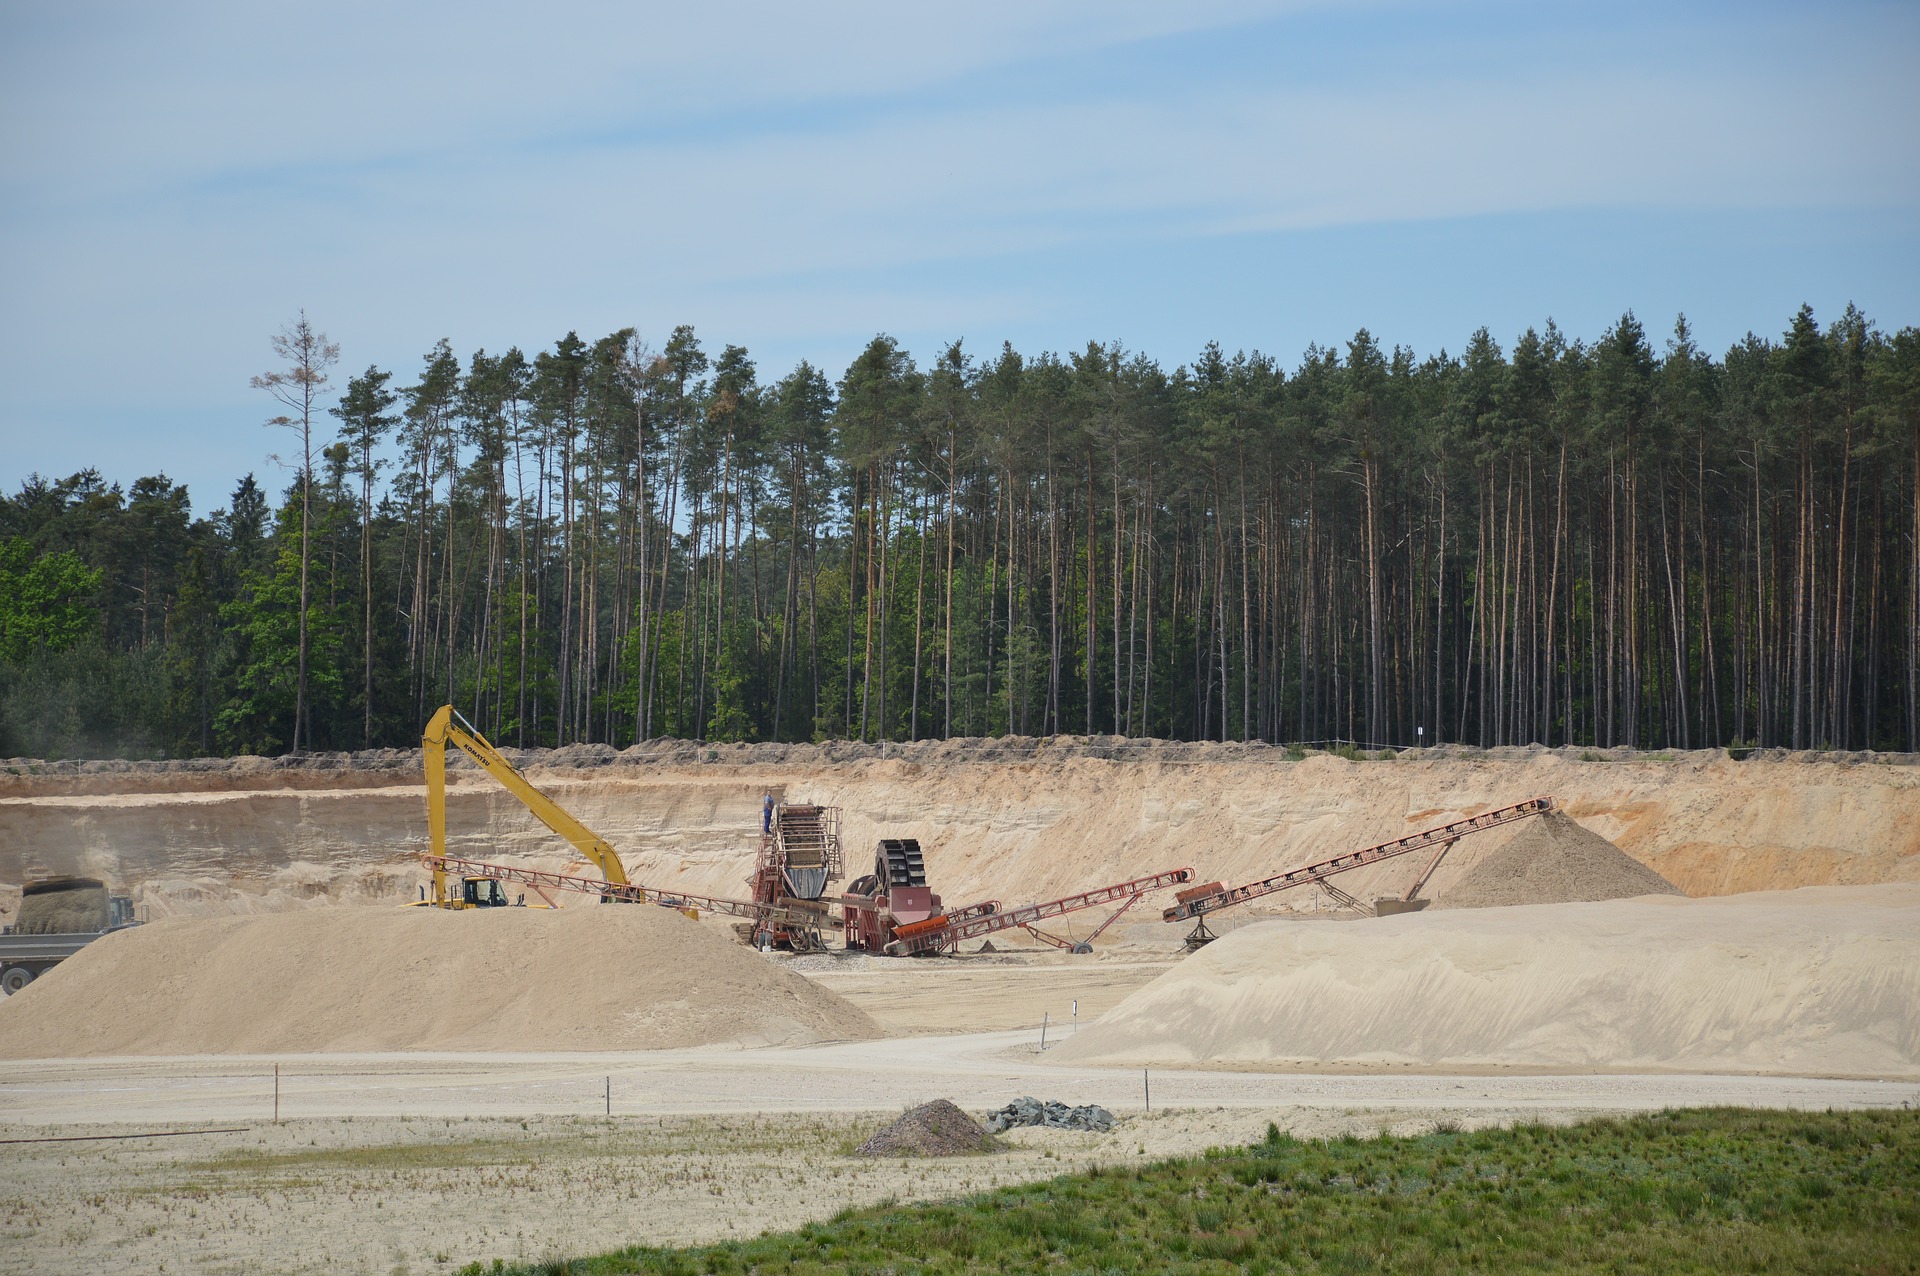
x: 1015, y: 821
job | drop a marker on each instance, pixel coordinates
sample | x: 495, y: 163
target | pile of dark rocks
x: 1030, y: 1111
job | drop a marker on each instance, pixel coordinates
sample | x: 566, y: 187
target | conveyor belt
x: 1227, y: 897
x: 923, y: 937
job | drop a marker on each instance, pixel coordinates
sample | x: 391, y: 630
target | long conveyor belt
x: 941, y: 934
x: 619, y: 892
x: 1212, y: 900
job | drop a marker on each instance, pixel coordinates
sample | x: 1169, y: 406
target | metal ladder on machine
x: 809, y: 837
x: 1196, y: 903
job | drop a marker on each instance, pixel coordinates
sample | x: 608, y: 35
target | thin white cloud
x: 114, y: 96
x: 970, y: 184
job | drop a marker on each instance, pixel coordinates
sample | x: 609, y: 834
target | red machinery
x: 1212, y: 897
x: 895, y: 894
x: 944, y: 932
x: 799, y: 854
x: 891, y: 910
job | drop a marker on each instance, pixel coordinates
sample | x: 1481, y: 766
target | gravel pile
x: 68, y: 908
x: 1553, y: 860
x: 1030, y: 1111
x: 932, y: 1129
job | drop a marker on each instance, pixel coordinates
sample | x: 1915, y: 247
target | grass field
x: 1719, y: 1190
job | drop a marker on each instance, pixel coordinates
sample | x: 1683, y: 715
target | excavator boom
x: 448, y: 727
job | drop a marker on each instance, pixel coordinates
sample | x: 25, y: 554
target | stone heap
x: 1030, y: 1111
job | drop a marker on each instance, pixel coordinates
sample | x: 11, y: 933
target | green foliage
x: 83, y: 702
x: 43, y: 600
x: 1606, y: 545
x: 1691, y: 1191
x: 264, y: 627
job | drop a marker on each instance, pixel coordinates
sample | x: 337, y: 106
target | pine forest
x: 1626, y: 540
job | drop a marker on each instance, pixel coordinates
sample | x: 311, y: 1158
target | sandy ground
x: 381, y: 978
x: 385, y: 1163
x: 918, y: 998
x: 1824, y: 980
x: 419, y: 1162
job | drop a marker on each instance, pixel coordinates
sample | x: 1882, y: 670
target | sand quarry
x: 531, y: 1083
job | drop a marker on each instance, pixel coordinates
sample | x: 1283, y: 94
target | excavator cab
x: 482, y: 892
x: 474, y: 892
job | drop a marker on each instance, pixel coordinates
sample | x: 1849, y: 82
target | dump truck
x: 58, y: 917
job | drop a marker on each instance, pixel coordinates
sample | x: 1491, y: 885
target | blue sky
x: 180, y: 180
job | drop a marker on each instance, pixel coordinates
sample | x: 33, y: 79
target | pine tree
x: 297, y: 387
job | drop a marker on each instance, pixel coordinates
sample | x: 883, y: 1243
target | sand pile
x: 1819, y: 981
x: 933, y: 1129
x: 372, y: 979
x: 1552, y: 860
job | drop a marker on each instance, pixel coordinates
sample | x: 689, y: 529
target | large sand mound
x: 1821, y: 981
x: 1552, y: 860
x: 372, y: 979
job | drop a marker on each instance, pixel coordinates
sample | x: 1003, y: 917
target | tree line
x: 1558, y: 541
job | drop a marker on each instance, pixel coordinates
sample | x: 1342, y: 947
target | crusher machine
x: 798, y: 856
x: 895, y: 896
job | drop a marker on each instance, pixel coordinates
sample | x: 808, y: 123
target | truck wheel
x: 15, y: 978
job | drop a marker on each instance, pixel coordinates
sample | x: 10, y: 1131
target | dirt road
x: 981, y: 1070
x: 414, y: 1164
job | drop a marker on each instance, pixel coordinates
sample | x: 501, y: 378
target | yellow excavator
x: 448, y: 727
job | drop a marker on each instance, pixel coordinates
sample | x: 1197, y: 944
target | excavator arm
x: 448, y: 727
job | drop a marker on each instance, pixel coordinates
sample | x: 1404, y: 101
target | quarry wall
x: 1009, y: 819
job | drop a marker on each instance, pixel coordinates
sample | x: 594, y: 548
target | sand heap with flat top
x: 1818, y: 981
x: 379, y: 978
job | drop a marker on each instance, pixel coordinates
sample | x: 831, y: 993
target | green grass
x: 1720, y: 1190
